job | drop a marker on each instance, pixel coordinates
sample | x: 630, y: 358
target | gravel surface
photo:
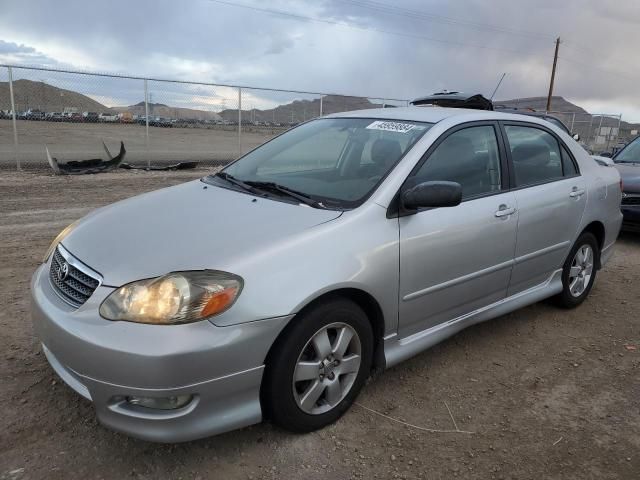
x: 546, y: 393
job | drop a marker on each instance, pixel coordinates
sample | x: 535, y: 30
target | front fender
x: 358, y: 250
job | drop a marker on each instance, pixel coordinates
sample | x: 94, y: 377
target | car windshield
x: 630, y: 153
x: 335, y: 162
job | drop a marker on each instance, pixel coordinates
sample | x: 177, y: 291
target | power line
x: 409, y: 13
x: 305, y: 18
x: 626, y: 75
x: 590, y: 52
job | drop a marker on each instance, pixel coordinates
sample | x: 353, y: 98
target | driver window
x: 317, y: 152
x: 469, y: 157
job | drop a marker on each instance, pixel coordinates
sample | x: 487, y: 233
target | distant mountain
x: 40, y: 95
x: 162, y: 110
x: 29, y: 94
x: 301, y: 110
x: 558, y: 104
x: 575, y: 117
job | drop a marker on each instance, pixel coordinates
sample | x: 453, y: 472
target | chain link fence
x: 599, y: 132
x: 160, y: 122
x: 163, y: 122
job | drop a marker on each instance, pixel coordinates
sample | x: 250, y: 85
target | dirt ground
x: 69, y: 141
x: 546, y: 393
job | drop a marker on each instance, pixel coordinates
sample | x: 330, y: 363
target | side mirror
x: 606, y: 155
x: 432, y: 195
x: 576, y: 137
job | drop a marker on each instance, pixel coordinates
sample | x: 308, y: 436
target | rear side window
x: 469, y: 157
x: 535, y: 154
x: 568, y: 167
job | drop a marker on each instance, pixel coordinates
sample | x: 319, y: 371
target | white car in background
x: 108, y: 118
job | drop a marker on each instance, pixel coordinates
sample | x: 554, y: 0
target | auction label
x: 391, y: 126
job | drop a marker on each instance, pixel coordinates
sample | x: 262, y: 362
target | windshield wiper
x: 238, y: 183
x: 300, y: 196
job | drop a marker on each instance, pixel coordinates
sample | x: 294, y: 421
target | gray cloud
x: 445, y: 45
x: 11, y: 52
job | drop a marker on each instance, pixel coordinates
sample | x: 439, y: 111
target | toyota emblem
x: 63, y: 271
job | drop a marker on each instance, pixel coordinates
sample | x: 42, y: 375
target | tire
x: 338, y: 377
x: 574, y: 294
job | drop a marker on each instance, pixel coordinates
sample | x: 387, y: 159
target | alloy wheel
x: 327, y: 368
x: 581, y: 270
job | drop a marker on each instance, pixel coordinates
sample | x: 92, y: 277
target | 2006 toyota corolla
x: 352, y: 242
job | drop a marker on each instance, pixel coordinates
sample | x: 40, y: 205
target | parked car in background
x: 543, y: 115
x: 90, y: 117
x: 108, y: 118
x: 125, y: 117
x: 75, y: 117
x: 33, y: 114
x: 54, y: 117
x: 161, y: 122
x: 350, y: 243
x: 627, y: 162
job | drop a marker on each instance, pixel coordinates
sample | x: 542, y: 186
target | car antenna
x: 498, y: 86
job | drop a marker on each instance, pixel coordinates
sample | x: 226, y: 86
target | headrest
x: 534, y: 153
x: 385, y: 150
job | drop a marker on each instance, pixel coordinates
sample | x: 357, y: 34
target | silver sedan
x: 273, y: 288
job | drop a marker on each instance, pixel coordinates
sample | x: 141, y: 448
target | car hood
x: 192, y: 226
x: 630, y: 175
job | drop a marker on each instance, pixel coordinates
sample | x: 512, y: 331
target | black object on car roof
x: 455, y: 100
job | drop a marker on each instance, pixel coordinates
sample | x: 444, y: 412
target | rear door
x: 550, y: 197
x: 458, y: 259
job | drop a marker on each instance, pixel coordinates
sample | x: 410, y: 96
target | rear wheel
x: 318, y: 366
x: 579, y: 271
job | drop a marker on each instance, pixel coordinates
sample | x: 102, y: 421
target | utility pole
x: 553, y: 74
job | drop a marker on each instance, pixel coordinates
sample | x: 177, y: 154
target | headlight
x: 179, y: 297
x: 61, y: 236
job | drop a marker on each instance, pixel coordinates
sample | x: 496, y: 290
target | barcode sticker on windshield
x: 391, y: 126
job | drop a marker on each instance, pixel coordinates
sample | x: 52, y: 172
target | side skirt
x: 397, y: 350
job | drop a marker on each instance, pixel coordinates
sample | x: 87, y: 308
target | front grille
x: 628, y: 199
x: 73, y: 285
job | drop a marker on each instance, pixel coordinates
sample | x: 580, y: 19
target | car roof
x: 436, y: 114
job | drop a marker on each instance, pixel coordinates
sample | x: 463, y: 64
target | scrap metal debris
x: 174, y: 166
x: 97, y: 165
x: 93, y: 165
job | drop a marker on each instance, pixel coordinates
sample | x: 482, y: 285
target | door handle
x: 577, y: 192
x: 505, y: 210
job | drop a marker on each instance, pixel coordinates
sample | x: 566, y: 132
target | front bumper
x: 631, y: 217
x: 106, y: 362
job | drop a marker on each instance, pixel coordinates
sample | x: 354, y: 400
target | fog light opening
x: 160, y: 403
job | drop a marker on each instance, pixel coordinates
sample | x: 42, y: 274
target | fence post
x: 146, y: 121
x: 320, y: 105
x: 610, y: 136
x: 599, y: 127
x: 13, y: 118
x: 239, y: 121
x: 573, y: 119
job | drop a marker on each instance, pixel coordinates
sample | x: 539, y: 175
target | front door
x: 458, y: 259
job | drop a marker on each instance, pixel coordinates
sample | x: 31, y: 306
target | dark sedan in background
x: 627, y: 161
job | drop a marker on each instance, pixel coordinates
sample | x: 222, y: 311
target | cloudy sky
x: 375, y: 48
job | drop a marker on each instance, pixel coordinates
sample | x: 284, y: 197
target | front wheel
x: 318, y: 366
x: 579, y: 271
